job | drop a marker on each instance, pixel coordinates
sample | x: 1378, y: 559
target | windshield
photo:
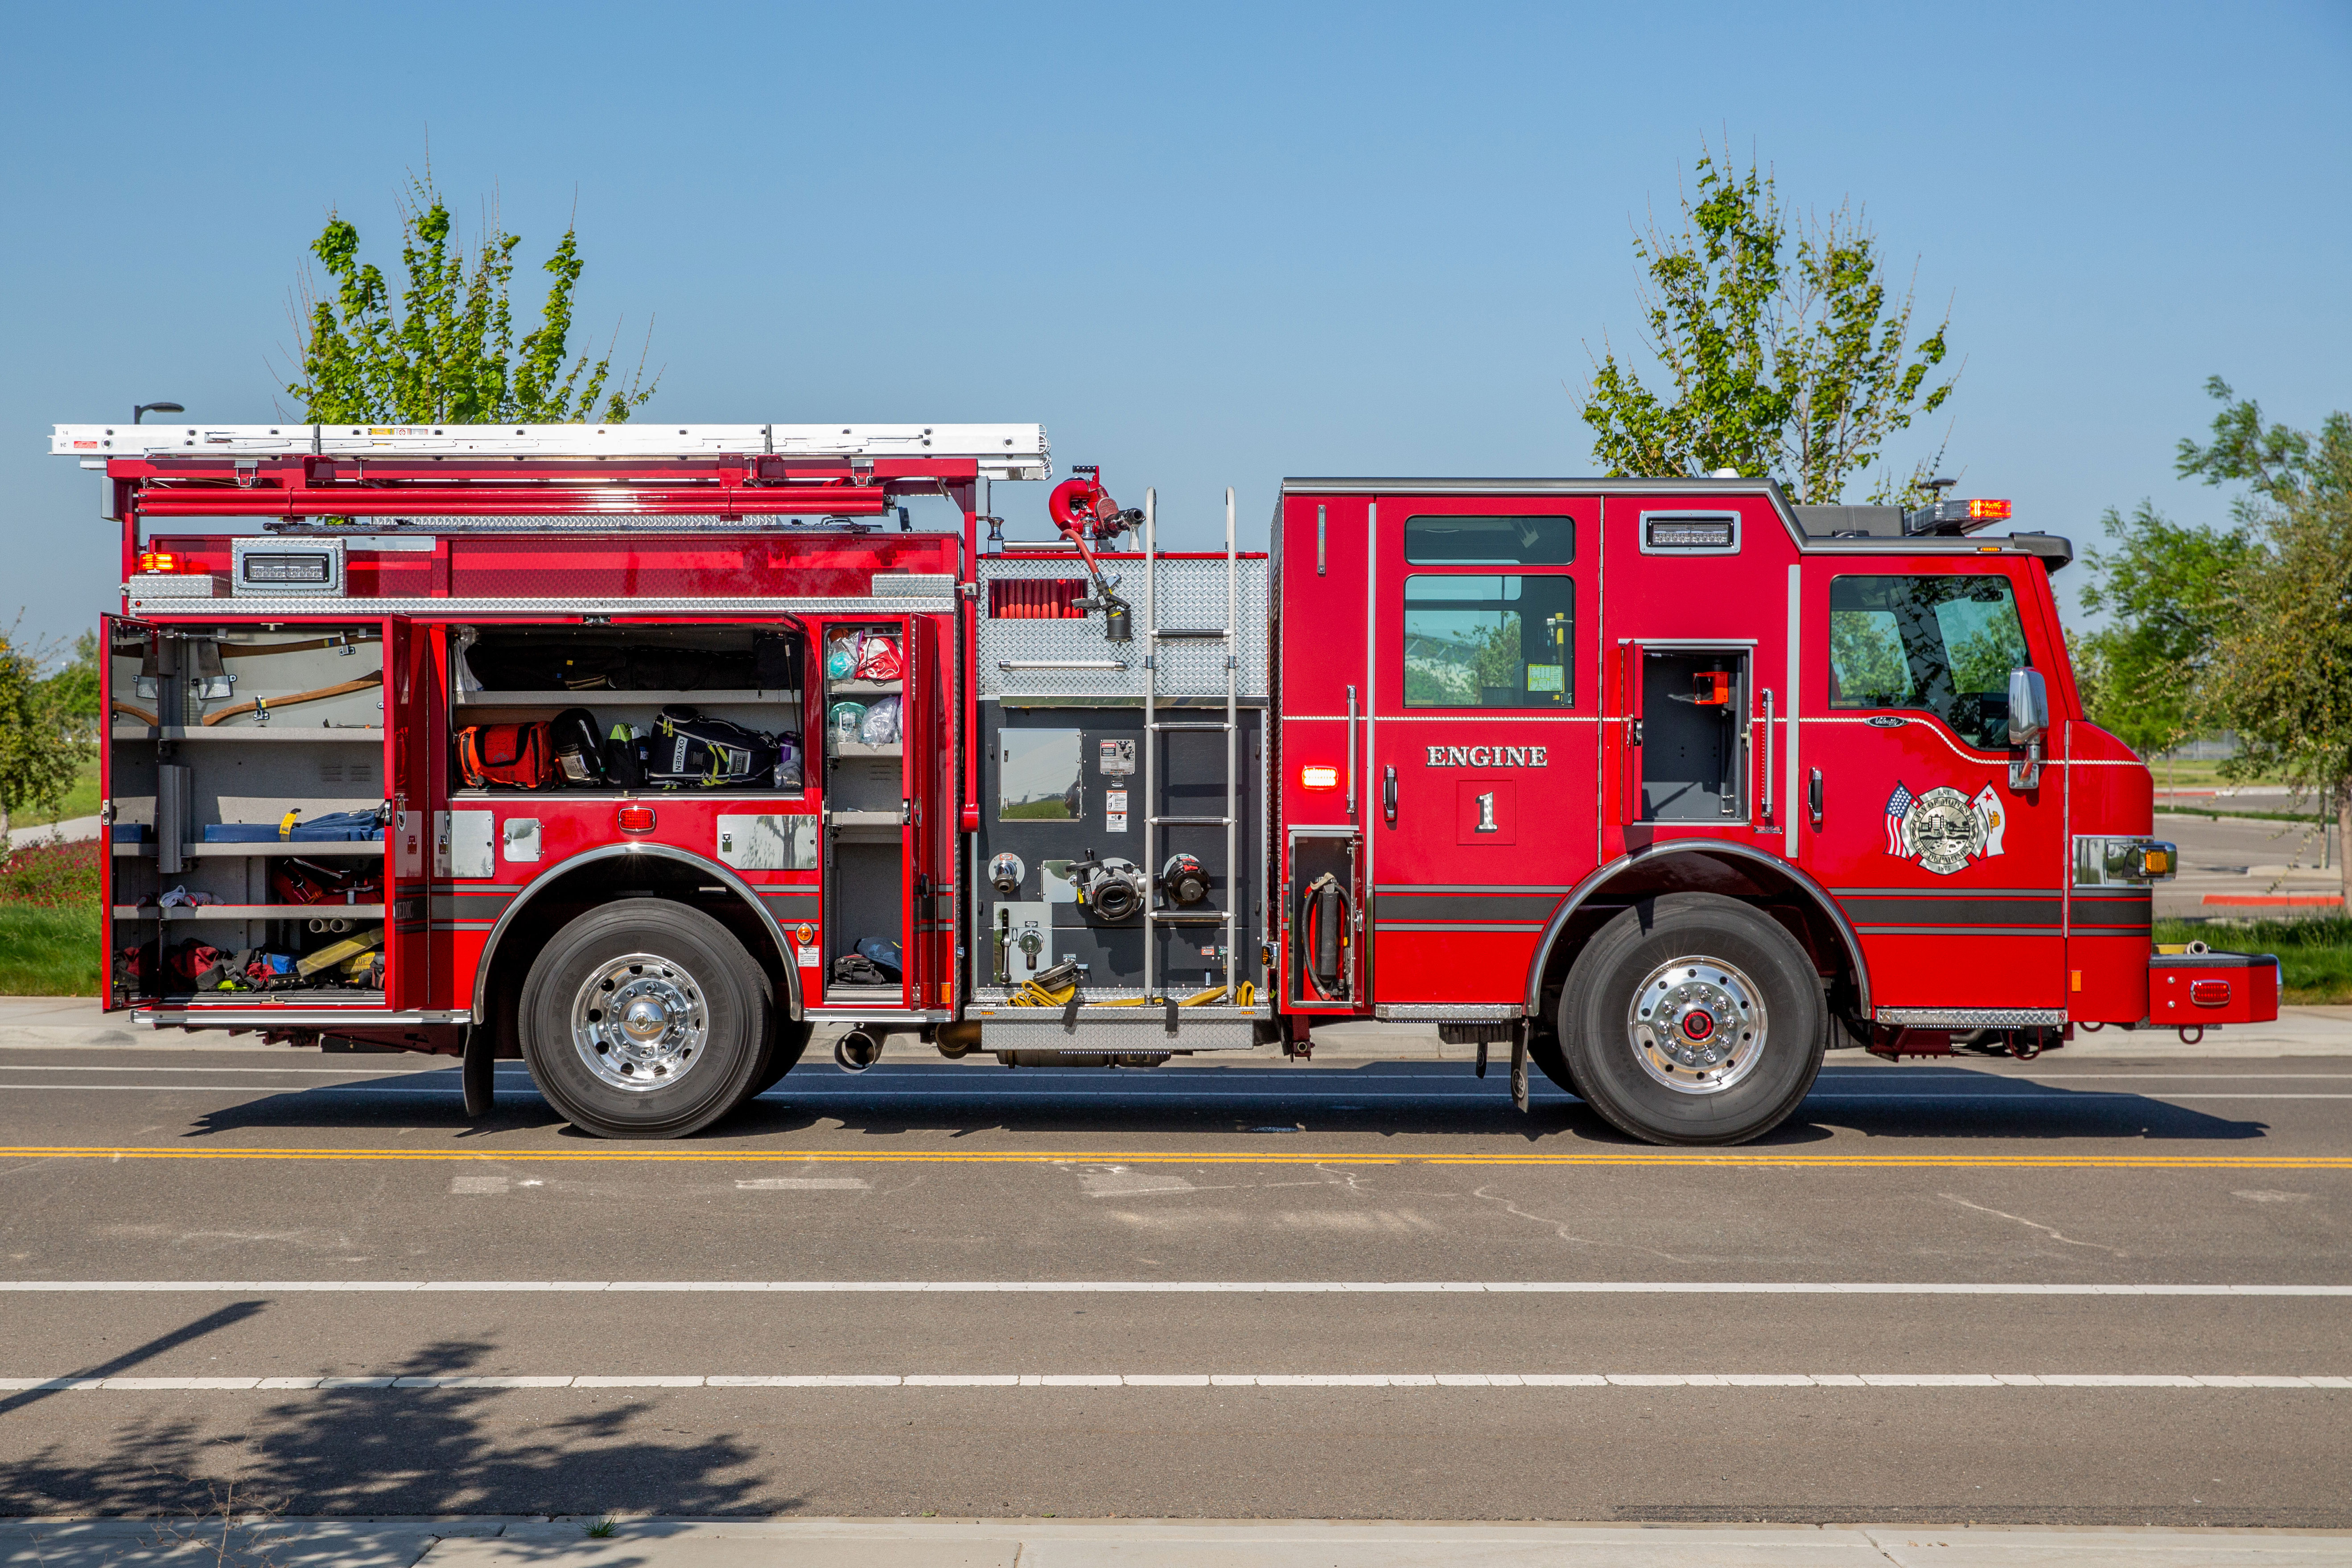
x: 1945, y: 644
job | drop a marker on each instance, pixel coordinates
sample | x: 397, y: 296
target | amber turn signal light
x: 635, y: 818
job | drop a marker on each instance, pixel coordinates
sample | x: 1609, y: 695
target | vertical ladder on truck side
x: 1153, y: 728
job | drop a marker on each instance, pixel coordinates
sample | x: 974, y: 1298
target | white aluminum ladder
x: 1153, y: 728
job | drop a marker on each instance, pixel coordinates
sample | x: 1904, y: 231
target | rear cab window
x: 1940, y: 643
x: 1486, y: 640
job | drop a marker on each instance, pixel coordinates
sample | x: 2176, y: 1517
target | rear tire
x: 1693, y: 1018
x: 643, y: 1019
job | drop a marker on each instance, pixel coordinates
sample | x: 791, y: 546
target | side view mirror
x: 2029, y: 721
x: 2029, y: 706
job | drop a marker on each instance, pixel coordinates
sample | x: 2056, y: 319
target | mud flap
x: 1518, y: 1065
x: 480, y: 1073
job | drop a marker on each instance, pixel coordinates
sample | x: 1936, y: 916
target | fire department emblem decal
x: 1944, y: 829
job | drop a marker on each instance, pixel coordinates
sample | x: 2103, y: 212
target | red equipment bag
x: 519, y: 755
x: 878, y: 658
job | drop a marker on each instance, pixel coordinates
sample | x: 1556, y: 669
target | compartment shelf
x: 325, y: 849
x: 614, y: 697
x: 860, y: 749
x: 865, y: 687
x: 249, y: 911
x: 245, y: 1000
x: 249, y: 733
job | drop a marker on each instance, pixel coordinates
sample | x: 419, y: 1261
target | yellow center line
x: 1718, y: 1159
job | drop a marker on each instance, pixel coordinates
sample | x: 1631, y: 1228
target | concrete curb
x: 564, y: 1542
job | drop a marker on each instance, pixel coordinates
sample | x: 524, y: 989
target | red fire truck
x: 639, y: 751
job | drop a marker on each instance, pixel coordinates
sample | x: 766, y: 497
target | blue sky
x: 1205, y: 245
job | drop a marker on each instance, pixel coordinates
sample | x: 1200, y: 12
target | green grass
x: 49, y: 921
x: 49, y: 952
x: 2195, y: 774
x: 80, y: 801
x: 2314, y: 956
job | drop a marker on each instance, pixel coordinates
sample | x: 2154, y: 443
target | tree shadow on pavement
x: 382, y: 1451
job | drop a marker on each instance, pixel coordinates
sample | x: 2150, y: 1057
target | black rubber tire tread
x: 730, y: 989
x: 1600, y: 1058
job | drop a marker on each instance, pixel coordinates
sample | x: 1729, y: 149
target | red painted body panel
x: 1473, y: 824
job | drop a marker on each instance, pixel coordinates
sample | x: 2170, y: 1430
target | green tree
x: 1784, y: 347
x: 73, y: 692
x: 2281, y: 673
x: 444, y: 351
x: 2166, y: 590
x: 40, y: 748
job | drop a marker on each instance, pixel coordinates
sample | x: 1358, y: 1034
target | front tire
x: 1693, y: 1018
x: 643, y: 1019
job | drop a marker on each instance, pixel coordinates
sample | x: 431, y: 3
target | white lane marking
x: 1161, y: 1287
x: 472, y: 1381
x: 1121, y: 1182
x: 806, y: 1184
x: 484, y: 1184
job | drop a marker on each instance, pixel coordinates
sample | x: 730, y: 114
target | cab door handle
x: 1388, y: 795
x: 1813, y: 797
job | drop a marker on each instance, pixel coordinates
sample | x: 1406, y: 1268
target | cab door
x: 1951, y: 873
x: 1481, y: 778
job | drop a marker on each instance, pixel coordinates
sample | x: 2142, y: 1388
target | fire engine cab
x: 637, y: 752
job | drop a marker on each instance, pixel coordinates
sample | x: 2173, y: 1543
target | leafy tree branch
x: 445, y: 352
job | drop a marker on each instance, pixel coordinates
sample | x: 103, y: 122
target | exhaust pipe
x: 856, y: 1050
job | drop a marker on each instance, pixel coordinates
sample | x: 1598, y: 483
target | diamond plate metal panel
x: 1187, y: 594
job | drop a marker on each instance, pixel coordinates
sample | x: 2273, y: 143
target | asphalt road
x: 2246, y: 858
x: 310, y: 1217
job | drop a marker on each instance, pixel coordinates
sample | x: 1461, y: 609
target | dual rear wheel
x: 647, y: 1019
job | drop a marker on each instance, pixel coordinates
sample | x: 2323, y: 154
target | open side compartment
x: 1693, y: 745
x: 732, y: 696
x: 870, y: 674
x: 246, y: 779
x: 1326, y: 888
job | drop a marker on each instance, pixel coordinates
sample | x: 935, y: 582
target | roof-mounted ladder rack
x: 1002, y: 451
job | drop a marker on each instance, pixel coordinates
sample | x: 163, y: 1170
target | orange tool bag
x: 522, y: 756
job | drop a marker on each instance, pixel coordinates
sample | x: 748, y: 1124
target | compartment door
x: 129, y: 708
x: 413, y: 773
x: 930, y: 785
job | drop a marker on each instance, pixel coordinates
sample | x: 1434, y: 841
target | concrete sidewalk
x: 1141, y: 1543
x: 73, y: 830
x: 65, y: 1022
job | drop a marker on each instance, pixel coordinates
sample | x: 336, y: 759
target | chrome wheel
x: 639, y: 1022
x: 1698, y: 1025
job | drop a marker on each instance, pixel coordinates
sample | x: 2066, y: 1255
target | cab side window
x: 1486, y: 638
x: 1944, y: 644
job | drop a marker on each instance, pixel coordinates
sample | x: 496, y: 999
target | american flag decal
x: 1898, y: 805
